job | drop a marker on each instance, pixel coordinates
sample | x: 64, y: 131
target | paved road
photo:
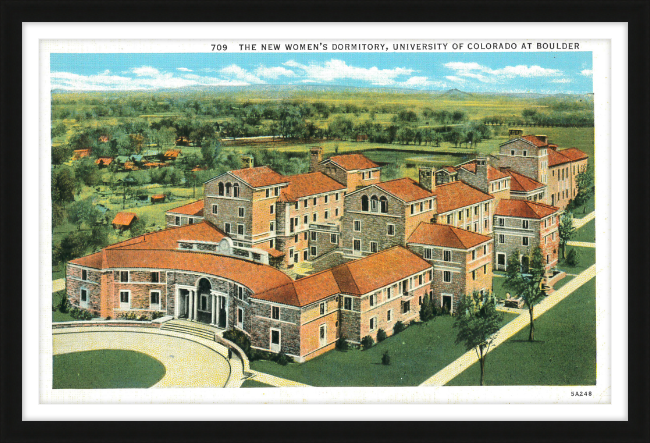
x: 582, y: 244
x: 190, y: 362
x: 276, y: 381
x: 580, y: 222
x: 469, y: 358
x: 58, y: 285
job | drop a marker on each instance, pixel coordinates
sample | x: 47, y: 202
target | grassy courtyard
x: 416, y: 354
x: 564, y: 352
x: 587, y: 233
x: 106, y: 369
x: 255, y: 384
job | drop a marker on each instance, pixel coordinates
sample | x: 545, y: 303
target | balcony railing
x: 324, y: 227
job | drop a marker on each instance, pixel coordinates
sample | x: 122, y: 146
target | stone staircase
x: 300, y: 270
x: 190, y: 327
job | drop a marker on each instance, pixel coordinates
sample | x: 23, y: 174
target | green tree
x: 59, y: 215
x: 63, y: 185
x: 58, y: 130
x: 73, y: 245
x: 426, y: 309
x: 87, y: 172
x: 566, y: 230
x: 83, y: 211
x: 527, y: 286
x: 61, y: 154
x: 478, y: 323
x: 585, y: 182
x: 98, y: 237
x: 138, y: 227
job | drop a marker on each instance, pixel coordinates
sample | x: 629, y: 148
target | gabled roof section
x: 574, y: 154
x: 521, y: 183
x: 556, y: 158
x: 194, y: 208
x: 378, y: 270
x: 352, y: 162
x: 304, y: 291
x: 124, y: 218
x: 446, y: 236
x: 534, y: 140
x: 168, y: 238
x: 406, y: 189
x: 492, y: 172
x: 524, y: 209
x: 260, y: 176
x: 89, y: 261
x: 458, y: 194
x: 303, y: 185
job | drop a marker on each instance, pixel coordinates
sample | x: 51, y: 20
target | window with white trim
x: 391, y: 229
x: 502, y: 238
x: 446, y: 276
x: 446, y: 255
x: 327, y: 198
x: 347, y: 303
x: 275, y: 312
x: 336, y: 212
x: 322, y: 308
x: 240, y: 318
x: 272, y: 226
x: 357, y: 225
x: 373, y: 323
x: 373, y: 246
x: 389, y: 315
x: 315, y: 217
x: 524, y: 241
x: 524, y: 224
x: 334, y: 239
x: 124, y: 276
x: 155, y: 277
x: 84, y: 274
x: 271, y: 209
x: 313, y: 250
x: 215, y: 211
x: 327, y: 215
x: 314, y: 236
x: 428, y: 253
x: 83, y: 297
x: 125, y: 299
x: 177, y: 221
x: 226, y: 228
x: 305, y: 219
x: 240, y: 229
x: 241, y: 212
x: 154, y: 300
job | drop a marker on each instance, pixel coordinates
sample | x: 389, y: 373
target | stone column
x: 190, y: 309
x: 196, y: 305
x: 213, y: 298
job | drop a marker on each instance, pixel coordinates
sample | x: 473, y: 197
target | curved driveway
x: 190, y: 362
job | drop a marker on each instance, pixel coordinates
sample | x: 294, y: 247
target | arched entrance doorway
x: 204, y: 301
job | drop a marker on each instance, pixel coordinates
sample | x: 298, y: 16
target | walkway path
x: 580, y: 222
x: 58, y: 285
x: 582, y: 244
x: 276, y: 381
x: 192, y: 363
x: 469, y: 358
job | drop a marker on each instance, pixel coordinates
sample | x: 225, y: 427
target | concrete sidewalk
x: 580, y: 222
x: 58, y: 285
x: 469, y: 358
x: 582, y: 244
x: 276, y: 381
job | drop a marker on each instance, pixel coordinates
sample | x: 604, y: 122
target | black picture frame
x: 14, y: 13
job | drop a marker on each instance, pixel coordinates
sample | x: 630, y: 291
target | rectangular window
x: 322, y: 339
x: 485, y: 250
x: 421, y: 206
x: 373, y: 299
x: 314, y: 251
x: 84, y: 298
x: 295, y: 238
x: 226, y: 227
x: 334, y: 239
x: 420, y: 279
x: 473, y: 275
x: 305, y: 203
x: 240, y: 292
x: 501, y: 221
x: 373, y: 324
x: 460, y: 215
x: 487, y: 206
x: 240, y: 317
x: 178, y: 221
x: 314, y: 236
x: 277, y: 191
x: 271, y: 209
x: 430, y: 204
x: 327, y: 215
x: 125, y: 300
x: 327, y: 198
x: 512, y: 152
x: 337, y: 196
x: 304, y: 235
x: 240, y: 229
x: 446, y: 255
x: 449, y: 219
x: 305, y: 255
x: 389, y: 292
x: 427, y: 253
x: 315, y: 201
x: 484, y: 269
x: 373, y: 246
x: 241, y: 212
x: 474, y: 254
x: 215, y: 210
x: 389, y: 315
x: 446, y: 276
x: 275, y: 313
x: 391, y: 229
x: 412, y: 209
x: 357, y: 225
x: 296, y: 206
x: 524, y: 224
x: 124, y: 276
x: 271, y: 226
x: 502, y: 238
x: 155, y: 277
x: 356, y: 245
x: 271, y: 244
x: 315, y: 217
x: 347, y: 303
x: 406, y: 307
x: 525, y: 153
x: 475, y: 210
x: 467, y: 212
x: 524, y: 241
x: 154, y: 301
x: 336, y: 212
x: 305, y: 219
x: 84, y: 274
x: 322, y: 308
x: 268, y: 193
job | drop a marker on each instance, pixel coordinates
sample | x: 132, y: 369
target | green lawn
x: 255, y: 384
x: 564, y: 351
x: 106, y: 369
x: 587, y: 257
x: 587, y: 233
x: 587, y: 208
x: 416, y: 354
x: 56, y: 315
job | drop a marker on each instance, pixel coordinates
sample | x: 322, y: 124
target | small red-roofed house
x: 124, y: 220
x: 81, y: 153
x: 104, y: 162
x: 351, y: 170
x: 525, y: 188
x: 187, y: 214
x: 521, y: 225
x: 462, y: 261
x: 157, y: 198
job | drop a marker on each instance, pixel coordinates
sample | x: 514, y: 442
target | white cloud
x: 420, y: 83
x: 274, y: 73
x: 146, y: 71
x: 587, y: 72
x: 453, y: 78
x: 339, y: 70
x: 488, y: 75
x: 241, y: 74
x: 184, y: 69
x: 561, y: 80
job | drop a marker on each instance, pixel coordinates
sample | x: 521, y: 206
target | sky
x: 514, y: 72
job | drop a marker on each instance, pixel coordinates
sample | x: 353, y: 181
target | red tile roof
x: 168, y: 238
x: 351, y: 162
x: 446, y: 236
x: 260, y: 176
x: 303, y: 185
x: 104, y: 161
x: 256, y: 276
x: 303, y: 291
x: 172, y: 153
x: 524, y: 209
x: 574, y: 154
x: 521, y: 183
x: 194, y: 208
x: 378, y: 270
x: 449, y: 169
x: 90, y: 261
x: 534, y: 140
x: 272, y: 251
x: 456, y: 195
x: 124, y: 218
x: 406, y: 189
x: 493, y: 173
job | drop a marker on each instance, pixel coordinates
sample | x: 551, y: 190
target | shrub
x: 143, y: 317
x: 385, y: 358
x: 381, y: 335
x: 399, y: 327
x: 282, y: 359
x: 426, y: 309
x: 573, y: 258
x: 64, y: 304
x: 367, y: 342
x: 342, y: 344
x: 240, y: 339
x: 157, y: 314
x: 108, y: 317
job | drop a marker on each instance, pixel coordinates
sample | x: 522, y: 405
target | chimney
x: 542, y: 138
x: 247, y: 161
x: 515, y: 133
x: 482, y: 173
x: 316, y: 155
x: 428, y: 178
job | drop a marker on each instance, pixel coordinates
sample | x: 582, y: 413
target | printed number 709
x: 219, y: 47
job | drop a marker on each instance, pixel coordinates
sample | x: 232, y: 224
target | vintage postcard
x: 296, y: 216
